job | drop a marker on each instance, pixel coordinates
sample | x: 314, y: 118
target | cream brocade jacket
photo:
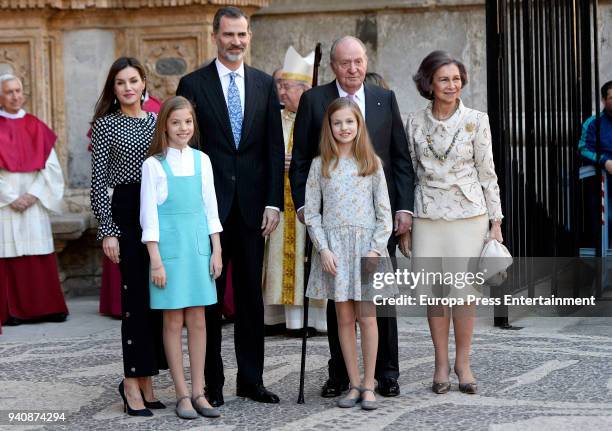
x: 464, y: 184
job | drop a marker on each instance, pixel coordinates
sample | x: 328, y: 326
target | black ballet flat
x: 155, y: 405
x: 130, y: 411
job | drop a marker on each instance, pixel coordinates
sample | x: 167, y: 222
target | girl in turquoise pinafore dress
x: 179, y: 220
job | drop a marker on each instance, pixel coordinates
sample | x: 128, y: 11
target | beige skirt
x: 447, y: 252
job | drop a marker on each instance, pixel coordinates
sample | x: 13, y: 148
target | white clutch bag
x: 494, y: 260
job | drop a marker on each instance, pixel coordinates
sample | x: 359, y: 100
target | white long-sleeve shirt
x: 154, y: 190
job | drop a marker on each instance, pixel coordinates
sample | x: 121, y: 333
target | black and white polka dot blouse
x: 119, y: 146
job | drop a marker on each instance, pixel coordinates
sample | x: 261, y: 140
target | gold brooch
x: 470, y: 127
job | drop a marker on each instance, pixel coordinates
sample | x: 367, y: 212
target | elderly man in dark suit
x: 237, y: 113
x: 379, y: 107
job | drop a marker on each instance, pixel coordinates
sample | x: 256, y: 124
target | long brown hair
x: 107, y: 102
x: 363, y: 151
x: 159, y: 145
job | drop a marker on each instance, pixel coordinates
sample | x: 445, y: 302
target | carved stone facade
x: 49, y: 43
x: 62, y: 50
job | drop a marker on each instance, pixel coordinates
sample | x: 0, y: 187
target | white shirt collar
x: 20, y: 114
x: 176, y: 152
x: 359, y: 94
x: 223, y: 70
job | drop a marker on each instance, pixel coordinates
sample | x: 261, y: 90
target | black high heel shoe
x: 155, y: 405
x: 126, y: 407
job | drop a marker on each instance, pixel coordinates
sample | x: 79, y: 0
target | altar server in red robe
x: 31, y: 186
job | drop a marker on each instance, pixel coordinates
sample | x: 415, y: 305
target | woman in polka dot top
x: 121, y: 136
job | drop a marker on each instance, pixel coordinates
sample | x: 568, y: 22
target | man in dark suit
x: 379, y: 107
x: 240, y: 129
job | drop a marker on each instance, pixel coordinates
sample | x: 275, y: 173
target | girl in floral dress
x: 348, y: 216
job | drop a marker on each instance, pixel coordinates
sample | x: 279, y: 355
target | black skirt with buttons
x: 141, y: 327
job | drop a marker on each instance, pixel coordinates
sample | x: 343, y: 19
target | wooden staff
x: 307, y: 254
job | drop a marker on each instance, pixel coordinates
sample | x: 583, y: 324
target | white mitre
x: 298, y: 68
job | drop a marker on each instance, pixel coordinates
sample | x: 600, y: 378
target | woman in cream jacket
x: 456, y: 203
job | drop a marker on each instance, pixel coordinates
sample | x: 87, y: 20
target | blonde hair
x: 363, y: 151
x: 159, y: 145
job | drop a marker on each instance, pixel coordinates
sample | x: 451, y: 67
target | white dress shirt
x: 154, y: 190
x: 224, y: 76
x: 358, y: 97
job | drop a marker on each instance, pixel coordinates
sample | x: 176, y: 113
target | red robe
x: 29, y: 285
x: 25, y: 144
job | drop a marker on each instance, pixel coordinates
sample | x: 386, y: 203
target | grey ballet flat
x: 185, y: 413
x: 207, y: 412
x: 366, y: 404
x: 346, y: 402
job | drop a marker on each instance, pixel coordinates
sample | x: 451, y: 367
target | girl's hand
x: 371, y: 261
x: 110, y: 245
x: 158, y: 276
x: 216, y: 264
x: 329, y: 261
x: 495, y: 232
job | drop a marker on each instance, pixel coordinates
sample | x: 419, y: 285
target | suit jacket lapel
x: 373, y: 111
x: 251, y: 86
x: 330, y: 94
x: 214, y: 93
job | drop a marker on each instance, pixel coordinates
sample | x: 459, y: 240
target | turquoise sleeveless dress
x: 184, y: 244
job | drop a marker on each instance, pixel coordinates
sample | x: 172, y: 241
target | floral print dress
x: 350, y: 215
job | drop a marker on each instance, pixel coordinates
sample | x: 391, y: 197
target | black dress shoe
x: 274, y: 330
x: 388, y: 388
x: 12, y: 321
x: 214, y: 396
x: 332, y: 389
x: 57, y: 318
x: 257, y: 393
x: 299, y: 333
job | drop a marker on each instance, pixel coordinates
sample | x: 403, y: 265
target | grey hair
x: 6, y: 78
x: 332, y: 51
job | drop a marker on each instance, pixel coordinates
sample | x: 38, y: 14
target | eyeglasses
x: 286, y: 86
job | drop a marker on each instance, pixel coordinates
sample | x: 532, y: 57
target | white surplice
x: 28, y: 233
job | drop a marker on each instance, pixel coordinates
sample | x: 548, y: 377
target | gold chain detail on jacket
x: 289, y: 239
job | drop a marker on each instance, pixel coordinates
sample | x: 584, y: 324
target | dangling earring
x: 142, y: 96
x: 115, y: 101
